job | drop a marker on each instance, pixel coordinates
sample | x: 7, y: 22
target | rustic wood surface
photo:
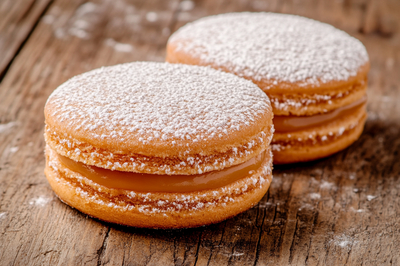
x: 17, y: 21
x: 342, y: 210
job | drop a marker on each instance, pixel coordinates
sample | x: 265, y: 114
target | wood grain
x: 342, y: 210
x: 17, y: 20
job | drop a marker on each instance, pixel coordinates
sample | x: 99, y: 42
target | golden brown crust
x: 292, y: 98
x: 312, y: 104
x: 333, y: 86
x: 184, y: 120
x: 158, y: 147
x: 318, y: 142
x: 131, y: 161
x: 157, y: 210
x: 298, y: 83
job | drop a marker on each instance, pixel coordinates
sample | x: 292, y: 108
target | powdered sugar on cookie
x: 157, y: 101
x: 278, y: 47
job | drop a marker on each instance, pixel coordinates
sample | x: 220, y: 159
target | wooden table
x: 342, y: 210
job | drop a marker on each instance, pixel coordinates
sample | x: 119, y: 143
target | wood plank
x: 340, y: 210
x: 18, y: 19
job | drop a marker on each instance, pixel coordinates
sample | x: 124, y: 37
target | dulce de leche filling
x: 165, y: 183
x: 296, y: 123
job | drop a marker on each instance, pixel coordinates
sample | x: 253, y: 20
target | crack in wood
x: 100, y: 251
x: 123, y: 259
x: 186, y: 254
x: 148, y: 259
x: 348, y: 253
x: 259, y: 238
x: 16, y: 255
x: 197, y: 249
x: 26, y: 11
x: 232, y: 254
x: 219, y: 243
x: 174, y: 253
x: 293, y: 241
x: 45, y: 253
x: 311, y: 236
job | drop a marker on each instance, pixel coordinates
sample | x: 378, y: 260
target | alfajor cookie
x: 314, y: 74
x: 159, y: 145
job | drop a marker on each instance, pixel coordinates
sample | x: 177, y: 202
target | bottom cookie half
x: 319, y: 141
x: 157, y: 209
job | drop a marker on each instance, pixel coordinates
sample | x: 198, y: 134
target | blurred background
x: 114, y: 31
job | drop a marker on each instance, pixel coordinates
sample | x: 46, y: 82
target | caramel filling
x: 296, y: 123
x: 165, y: 183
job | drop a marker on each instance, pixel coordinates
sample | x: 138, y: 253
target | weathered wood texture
x: 17, y: 20
x: 344, y: 209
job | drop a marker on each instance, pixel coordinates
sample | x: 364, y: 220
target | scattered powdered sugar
x: 315, y: 196
x: 151, y: 16
x: 343, y: 241
x: 14, y: 149
x: 358, y: 210
x: 186, y: 5
x: 306, y: 206
x: 147, y: 100
x: 277, y: 147
x: 273, y: 46
x: 327, y: 185
x: 371, y: 197
x: 120, y: 47
x: 236, y: 253
x: 5, y: 127
x: 40, y: 201
x: 352, y: 176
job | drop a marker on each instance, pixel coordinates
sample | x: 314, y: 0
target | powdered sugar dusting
x: 273, y: 46
x: 371, y: 197
x: 343, y: 241
x: 7, y: 126
x: 158, y: 101
x: 40, y: 201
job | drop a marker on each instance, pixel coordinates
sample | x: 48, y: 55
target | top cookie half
x: 158, y: 118
x: 305, y: 66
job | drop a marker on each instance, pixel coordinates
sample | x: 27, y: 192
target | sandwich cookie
x: 159, y: 145
x: 314, y: 74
